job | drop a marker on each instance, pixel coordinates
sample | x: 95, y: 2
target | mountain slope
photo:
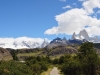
x: 57, y: 42
x: 5, y: 54
x: 22, y: 42
x: 84, y: 35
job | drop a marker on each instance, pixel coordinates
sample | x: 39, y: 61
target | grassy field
x: 56, y: 57
x: 29, y: 54
x: 7, y: 58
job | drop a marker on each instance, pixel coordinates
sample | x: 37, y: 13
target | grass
x: 28, y: 54
x: 7, y: 58
x: 57, y: 56
x: 48, y: 71
x: 33, y: 54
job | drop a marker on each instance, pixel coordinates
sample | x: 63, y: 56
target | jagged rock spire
x: 84, y: 35
x: 45, y: 43
x: 73, y: 36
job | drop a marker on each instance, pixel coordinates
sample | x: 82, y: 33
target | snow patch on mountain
x: 44, y: 44
x: 23, y: 42
x: 84, y: 35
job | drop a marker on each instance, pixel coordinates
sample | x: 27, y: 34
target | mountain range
x: 23, y: 43
x: 75, y: 39
x: 30, y: 43
x: 84, y: 35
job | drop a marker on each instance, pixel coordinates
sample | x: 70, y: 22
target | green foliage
x: 38, y: 64
x: 86, y: 61
x: 89, y: 59
x: 14, y: 55
x: 14, y: 68
x: 62, y: 59
x: 71, y: 68
x: 55, y: 61
x: 32, y: 66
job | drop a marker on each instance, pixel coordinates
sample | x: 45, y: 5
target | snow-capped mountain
x: 84, y: 35
x: 26, y: 42
x: 94, y: 39
x: 63, y: 42
x: 44, y: 44
x: 23, y: 42
x: 57, y: 42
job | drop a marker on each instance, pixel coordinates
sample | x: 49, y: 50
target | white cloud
x: 53, y: 30
x: 89, y: 5
x: 62, y: 0
x: 76, y: 19
x: 9, y: 42
x: 67, y: 7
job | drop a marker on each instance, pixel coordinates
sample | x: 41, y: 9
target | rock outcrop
x: 44, y: 44
x: 57, y: 42
x: 5, y: 54
x: 84, y: 35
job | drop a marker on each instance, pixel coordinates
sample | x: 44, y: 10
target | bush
x: 86, y: 61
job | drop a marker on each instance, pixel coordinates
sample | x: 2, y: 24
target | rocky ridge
x: 84, y: 35
x: 5, y: 54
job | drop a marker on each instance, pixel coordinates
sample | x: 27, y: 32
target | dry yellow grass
x: 29, y: 54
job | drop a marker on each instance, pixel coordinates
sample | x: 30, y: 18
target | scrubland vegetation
x: 85, y: 62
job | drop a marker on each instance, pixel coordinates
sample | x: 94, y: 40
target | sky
x: 48, y: 18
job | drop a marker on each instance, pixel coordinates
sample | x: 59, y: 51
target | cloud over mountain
x: 22, y: 42
x: 77, y: 19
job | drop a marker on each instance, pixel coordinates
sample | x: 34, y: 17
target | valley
x: 59, y: 57
x: 49, y: 37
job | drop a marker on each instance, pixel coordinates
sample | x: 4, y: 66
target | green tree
x: 55, y: 61
x: 71, y: 68
x: 86, y: 61
x: 88, y: 58
x: 14, y: 55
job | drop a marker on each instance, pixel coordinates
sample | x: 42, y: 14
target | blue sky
x: 48, y: 18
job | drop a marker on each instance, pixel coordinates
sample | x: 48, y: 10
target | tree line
x: 85, y: 62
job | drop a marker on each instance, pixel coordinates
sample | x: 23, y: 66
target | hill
x: 5, y: 54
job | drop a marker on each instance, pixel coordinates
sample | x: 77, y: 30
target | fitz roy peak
x: 84, y: 35
x: 31, y: 43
